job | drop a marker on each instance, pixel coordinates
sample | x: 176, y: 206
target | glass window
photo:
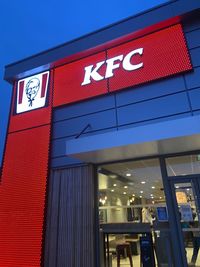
x: 183, y: 165
x: 130, y: 191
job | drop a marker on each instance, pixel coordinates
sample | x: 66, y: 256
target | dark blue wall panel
x: 191, y: 24
x: 141, y: 123
x: 195, y: 98
x: 85, y: 107
x: 64, y: 161
x: 148, y: 110
x: 193, y: 38
x: 151, y: 90
x: 193, y: 78
x: 101, y: 120
x: 195, y: 56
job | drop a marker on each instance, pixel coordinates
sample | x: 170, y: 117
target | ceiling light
x: 140, y: 196
x: 151, y: 195
x: 128, y: 174
x: 153, y: 187
x: 113, y: 176
x: 160, y: 197
x: 188, y: 189
x: 125, y: 186
x: 112, y: 190
x: 133, y: 195
x: 114, y: 184
x: 124, y: 193
x: 177, y: 186
x: 143, y: 182
x: 141, y: 192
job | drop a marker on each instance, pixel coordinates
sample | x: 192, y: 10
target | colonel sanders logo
x: 32, y: 89
x: 31, y: 92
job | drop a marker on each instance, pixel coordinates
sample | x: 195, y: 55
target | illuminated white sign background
x: 32, y: 92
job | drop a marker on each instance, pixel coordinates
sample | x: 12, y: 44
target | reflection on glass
x: 189, y: 219
x: 183, y: 165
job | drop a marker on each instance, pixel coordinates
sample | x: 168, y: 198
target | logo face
x: 32, y: 92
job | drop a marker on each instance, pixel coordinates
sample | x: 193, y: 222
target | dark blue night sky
x: 29, y: 27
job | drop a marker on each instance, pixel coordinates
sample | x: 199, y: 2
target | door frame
x: 173, y: 212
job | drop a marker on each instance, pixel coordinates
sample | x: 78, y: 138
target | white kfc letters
x: 91, y: 72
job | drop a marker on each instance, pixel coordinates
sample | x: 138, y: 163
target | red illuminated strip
x: 44, y: 83
x: 21, y: 90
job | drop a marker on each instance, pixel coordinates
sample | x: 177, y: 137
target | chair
x: 124, y: 249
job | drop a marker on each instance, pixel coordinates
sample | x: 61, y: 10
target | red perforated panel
x: 30, y: 119
x: 23, y: 187
x: 22, y: 197
x: 68, y: 79
x: 164, y: 53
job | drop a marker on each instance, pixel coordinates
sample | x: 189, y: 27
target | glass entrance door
x: 186, y: 196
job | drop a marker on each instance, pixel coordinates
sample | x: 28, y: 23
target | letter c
x: 127, y: 60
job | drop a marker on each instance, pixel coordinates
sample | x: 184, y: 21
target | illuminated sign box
x: 32, y: 92
x: 151, y: 57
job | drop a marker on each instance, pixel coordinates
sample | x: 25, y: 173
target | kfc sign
x: 32, y: 92
x: 91, y: 72
x: 154, y: 56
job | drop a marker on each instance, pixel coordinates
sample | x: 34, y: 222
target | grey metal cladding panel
x: 195, y: 56
x: 193, y: 78
x: 193, y: 39
x: 151, y: 90
x: 195, y: 98
x: 152, y: 109
x: 85, y: 107
x: 64, y: 161
x: 100, y: 120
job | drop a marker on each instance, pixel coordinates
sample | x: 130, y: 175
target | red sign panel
x: 164, y: 53
x: 154, y: 56
x: 68, y: 79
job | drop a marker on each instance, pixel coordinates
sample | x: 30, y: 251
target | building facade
x: 103, y: 147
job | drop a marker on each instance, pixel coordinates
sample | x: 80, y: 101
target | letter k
x: 92, y: 73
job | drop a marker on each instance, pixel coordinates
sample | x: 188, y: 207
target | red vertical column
x: 23, y: 186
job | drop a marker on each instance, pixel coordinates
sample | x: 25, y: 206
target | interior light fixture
x: 128, y: 174
x: 125, y: 186
x: 114, y: 184
x: 143, y: 182
x: 153, y: 187
x: 124, y: 193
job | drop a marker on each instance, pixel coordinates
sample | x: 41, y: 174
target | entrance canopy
x: 173, y: 136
